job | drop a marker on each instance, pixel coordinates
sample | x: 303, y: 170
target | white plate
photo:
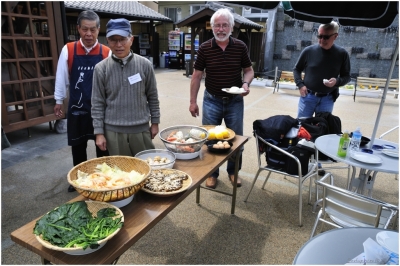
x: 122, y: 203
x: 389, y: 240
x: 391, y: 153
x: 366, y: 158
x: 240, y: 91
x: 86, y: 251
x: 187, y: 156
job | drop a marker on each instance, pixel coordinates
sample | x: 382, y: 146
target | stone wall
x: 371, y: 50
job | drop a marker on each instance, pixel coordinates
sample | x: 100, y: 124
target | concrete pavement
x: 263, y: 231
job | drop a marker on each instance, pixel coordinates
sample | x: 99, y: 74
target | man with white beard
x: 224, y: 59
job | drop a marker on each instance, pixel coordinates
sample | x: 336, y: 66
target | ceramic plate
x: 240, y: 91
x: 231, y: 132
x: 389, y: 240
x: 185, y: 184
x: 366, y: 158
x: 391, y: 153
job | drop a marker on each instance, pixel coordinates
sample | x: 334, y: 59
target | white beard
x: 226, y: 37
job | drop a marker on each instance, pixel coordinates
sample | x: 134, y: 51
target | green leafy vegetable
x: 72, y: 225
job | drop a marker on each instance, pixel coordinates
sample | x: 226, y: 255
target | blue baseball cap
x: 119, y: 26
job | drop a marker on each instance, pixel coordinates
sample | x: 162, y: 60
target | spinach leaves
x: 72, y: 225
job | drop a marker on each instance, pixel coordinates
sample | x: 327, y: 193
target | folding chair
x: 299, y: 177
x: 345, y: 208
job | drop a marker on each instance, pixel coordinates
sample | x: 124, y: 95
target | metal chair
x: 331, y: 166
x: 384, y: 134
x: 300, y: 177
x: 345, y: 208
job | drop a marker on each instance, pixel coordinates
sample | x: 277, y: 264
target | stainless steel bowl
x: 152, y: 153
x: 183, y: 149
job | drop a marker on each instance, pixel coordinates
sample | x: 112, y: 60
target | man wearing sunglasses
x: 326, y: 66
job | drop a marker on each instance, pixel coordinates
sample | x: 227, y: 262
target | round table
x: 328, y: 144
x: 336, y: 246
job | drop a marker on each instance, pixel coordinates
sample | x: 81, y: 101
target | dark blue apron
x: 79, y: 123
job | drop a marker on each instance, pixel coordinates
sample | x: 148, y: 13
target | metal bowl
x: 145, y: 155
x: 184, y: 150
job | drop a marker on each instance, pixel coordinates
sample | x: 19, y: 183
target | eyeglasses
x: 217, y: 26
x: 325, y: 37
x: 115, y: 41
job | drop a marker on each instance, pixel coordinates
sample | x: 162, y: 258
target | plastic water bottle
x: 355, y: 141
x: 343, y: 144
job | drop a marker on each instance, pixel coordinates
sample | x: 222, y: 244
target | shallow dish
x: 144, y: 155
x: 231, y: 132
x: 211, y: 143
x: 93, y: 207
x: 228, y: 90
x: 125, y: 163
x: 185, y: 185
x: 366, y: 158
x: 391, y: 153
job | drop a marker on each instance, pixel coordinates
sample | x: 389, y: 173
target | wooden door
x: 28, y: 63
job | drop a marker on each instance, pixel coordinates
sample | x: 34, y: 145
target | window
x: 195, y: 8
x: 171, y: 12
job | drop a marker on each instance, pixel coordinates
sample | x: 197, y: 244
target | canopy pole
x: 384, y: 93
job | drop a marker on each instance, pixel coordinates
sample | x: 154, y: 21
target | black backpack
x: 316, y: 126
x: 274, y: 127
x: 334, y: 122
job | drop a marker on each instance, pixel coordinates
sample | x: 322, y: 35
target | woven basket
x: 125, y: 163
x: 93, y: 207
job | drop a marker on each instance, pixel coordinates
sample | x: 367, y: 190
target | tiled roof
x: 238, y: 18
x: 131, y: 9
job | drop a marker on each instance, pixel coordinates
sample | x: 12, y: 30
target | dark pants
x: 79, y: 153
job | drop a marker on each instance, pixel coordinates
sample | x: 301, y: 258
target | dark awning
x: 378, y: 14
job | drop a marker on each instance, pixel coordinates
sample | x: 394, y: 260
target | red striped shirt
x: 223, y: 68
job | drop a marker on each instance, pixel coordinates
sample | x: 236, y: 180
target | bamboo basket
x: 125, y: 163
x: 93, y: 207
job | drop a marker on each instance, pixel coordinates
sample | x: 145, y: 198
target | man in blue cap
x: 125, y: 105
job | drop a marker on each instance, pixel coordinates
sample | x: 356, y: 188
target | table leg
x: 45, y: 262
x: 198, y: 194
x: 237, y: 158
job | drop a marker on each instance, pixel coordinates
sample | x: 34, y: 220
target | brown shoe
x: 239, y: 180
x: 211, y: 182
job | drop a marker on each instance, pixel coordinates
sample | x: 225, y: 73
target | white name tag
x: 134, y: 79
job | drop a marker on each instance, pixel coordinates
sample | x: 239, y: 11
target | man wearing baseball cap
x: 125, y: 105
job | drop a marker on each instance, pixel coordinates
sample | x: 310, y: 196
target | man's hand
x: 330, y: 83
x: 101, y: 142
x: 303, y: 91
x: 154, y: 130
x: 57, y: 110
x: 194, y: 109
x: 246, y: 88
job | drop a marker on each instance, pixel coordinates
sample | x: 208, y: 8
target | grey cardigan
x: 121, y: 105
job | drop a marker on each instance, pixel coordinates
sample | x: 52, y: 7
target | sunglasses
x: 325, y: 37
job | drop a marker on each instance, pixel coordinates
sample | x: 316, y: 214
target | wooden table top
x: 142, y: 214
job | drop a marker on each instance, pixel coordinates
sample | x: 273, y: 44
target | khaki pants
x: 128, y: 144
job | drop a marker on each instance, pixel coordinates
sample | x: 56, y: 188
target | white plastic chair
x: 300, y: 177
x: 345, y: 208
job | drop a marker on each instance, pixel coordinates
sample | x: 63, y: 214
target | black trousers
x: 79, y: 153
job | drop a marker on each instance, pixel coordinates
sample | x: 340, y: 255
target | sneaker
x: 305, y: 144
